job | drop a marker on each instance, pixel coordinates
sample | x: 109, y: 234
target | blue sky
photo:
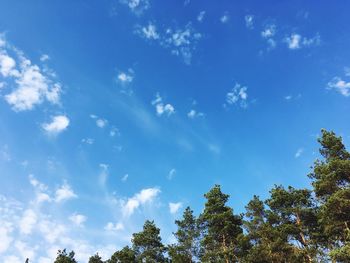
x: 117, y: 111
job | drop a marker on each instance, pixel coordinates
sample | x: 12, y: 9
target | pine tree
x: 220, y: 229
x: 126, y: 255
x: 297, y: 219
x: 268, y: 243
x: 95, y: 259
x: 331, y: 183
x: 147, y: 244
x: 63, y: 257
x: 187, y: 248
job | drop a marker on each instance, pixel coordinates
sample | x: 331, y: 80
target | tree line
x: 292, y: 225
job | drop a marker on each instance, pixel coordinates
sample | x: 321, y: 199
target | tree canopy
x: 291, y: 225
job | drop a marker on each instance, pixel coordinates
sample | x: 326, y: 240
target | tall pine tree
x: 220, y: 229
x: 186, y: 250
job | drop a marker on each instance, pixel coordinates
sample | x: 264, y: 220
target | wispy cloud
x: 249, y: 21
x: 78, y: 219
x: 143, y: 197
x: 171, y: 174
x: 174, y: 207
x: 192, y: 114
x: 64, y: 192
x: 299, y: 153
x: 201, y: 16
x: 224, y: 18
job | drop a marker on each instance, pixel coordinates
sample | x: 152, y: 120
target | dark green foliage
x: 147, y: 244
x: 291, y: 226
x: 63, y: 257
x: 220, y: 229
x: 95, y: 259
x: 126, y: 255
x: 331, y: 182
x: 187, y: 235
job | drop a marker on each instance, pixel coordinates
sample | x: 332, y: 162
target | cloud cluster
x: 296, y: 41
x: 180, y: 41
x: 340, y: 85
x: 136, y: 6
x: 31, y: 85
x: 161, y: 107
x: 237, y: 95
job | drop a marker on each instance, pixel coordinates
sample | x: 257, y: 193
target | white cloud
x: 171, y: 174
x: 141, y: 198
x: 12, y: 259
x: 5, y: 238
x: 225, y: 18
x: 162, y: 108
x: 238, y: 95
x: 126, y: 77
x: 340, y: 85
x: 249, y: 21
x: 25, y: 250
x: 78, y: 219
x: 114, y: 227
x: 58, y: 124
x: 293, y: 41
x: 44, y: 57
x: 296, y: 41
x: 174, y: 207
x: 7, y: 65
x: 194, y: 114
x: 64, y: 193
x: 269, y: 31
x: 137, y: 6
x: 33, y: 87
x: 180, y: 41
x: 101, y: 123
x: 200, y: 16
x: 28, y: 221
x: 149, y: 31
x: 299, y: 153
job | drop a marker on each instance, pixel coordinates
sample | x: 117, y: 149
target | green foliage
x: 220, y: 228
x: 95, y: 259
x: 63, y: 257
x: 126, y: 255
x: 187, y: 235
x: 291, y: 226
x: 147, y: 244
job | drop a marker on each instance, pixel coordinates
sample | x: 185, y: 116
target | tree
x: 126, y: 255
x: 220, y: 229
x: 297, y: 218
x: 268, y: 244
x: 147, y: 244
x: 331, y: 184
x: 63, y: 257
x: 95, y: 259
x: 187, y: 236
